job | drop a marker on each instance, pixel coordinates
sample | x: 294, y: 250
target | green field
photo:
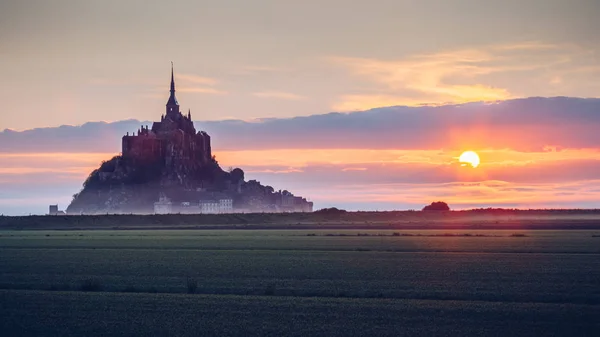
x: 300, y: 282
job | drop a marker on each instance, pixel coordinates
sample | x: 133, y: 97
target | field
x: 472, y: 219
x: 300, y: 282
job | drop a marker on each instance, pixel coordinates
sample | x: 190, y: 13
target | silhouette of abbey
x: 173, y: 139
x: 169, y: 168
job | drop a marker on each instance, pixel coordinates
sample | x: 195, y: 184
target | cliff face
x: 123, y: 185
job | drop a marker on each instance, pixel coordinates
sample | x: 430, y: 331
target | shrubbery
x: 437, y: 206
x: 331, y: 211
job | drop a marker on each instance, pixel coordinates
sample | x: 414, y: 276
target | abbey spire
x: 172, y: 104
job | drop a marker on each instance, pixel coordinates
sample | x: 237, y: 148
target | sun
x: 469, y: 158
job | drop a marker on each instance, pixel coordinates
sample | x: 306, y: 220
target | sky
x: 248, y: 68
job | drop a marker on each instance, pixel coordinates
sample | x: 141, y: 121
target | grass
x: 421, y: 265
x: 332, y: 284
x: 90, y: 285
x: 377, y: 240
x: 59, y: 287
x: 491, y: 219
x: 270, y: 289
x: 86, y: 314
x: 192, y: 285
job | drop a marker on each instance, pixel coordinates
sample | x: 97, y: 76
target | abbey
x: 169, y: 168
x: 173, y: 139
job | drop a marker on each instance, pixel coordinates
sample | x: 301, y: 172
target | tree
x: 437, y: 206
x: 331, y: 211
x: 237, y: 174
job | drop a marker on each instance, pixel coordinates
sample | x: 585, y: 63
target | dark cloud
x: 522, y: 124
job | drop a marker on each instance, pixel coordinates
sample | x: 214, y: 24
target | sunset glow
x: 469, y: 158
x: 361, y: 177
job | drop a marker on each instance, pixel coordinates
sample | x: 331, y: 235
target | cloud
x: 190, y: 78
x: 327, y: 174
x: 366, y: 178
x: 401, y: 186
x: 522, y: 124
x: 367, y: 101
x: 279, y: 95
x: 525, y: 45
x: 346, y: 169
x: 137, y: 81
x: 462, y: 196
x: 29, y: 170
x: 186, y: 83
x: 526, y: 125
x: 189, y: 83
x: 201, y: 90
x: 271, y: 170
x: 535, y: 151
x: 344, y: 165
x: 455, y: 76
x: 560, y: 184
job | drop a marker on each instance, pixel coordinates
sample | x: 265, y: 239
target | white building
x: 226, y: 205
x: 216, y: 207
x: 163, y: 206
x: 209, y: 207
x: 210, y: 204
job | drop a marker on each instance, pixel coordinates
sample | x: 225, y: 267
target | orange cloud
x: 201, y: 90
x: 346, y: 169
x: 73, y: 166
x: 29, y: 170
x: 456, y: 76
x: 275, y: 171
x: 185, y: 83
x: 369, y: 179
x: 306, y: 157
x: 463, y: 195
x: 189, y: 78
x: 57, y: 160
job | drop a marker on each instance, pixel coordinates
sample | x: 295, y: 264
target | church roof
x: 172, y: 99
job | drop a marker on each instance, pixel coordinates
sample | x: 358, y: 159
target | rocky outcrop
x: 174, y: 161
x: 125, y: 186
x: 122, y: 185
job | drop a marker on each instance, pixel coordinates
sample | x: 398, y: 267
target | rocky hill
x: 169, y: 168
x: 121, y: 185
